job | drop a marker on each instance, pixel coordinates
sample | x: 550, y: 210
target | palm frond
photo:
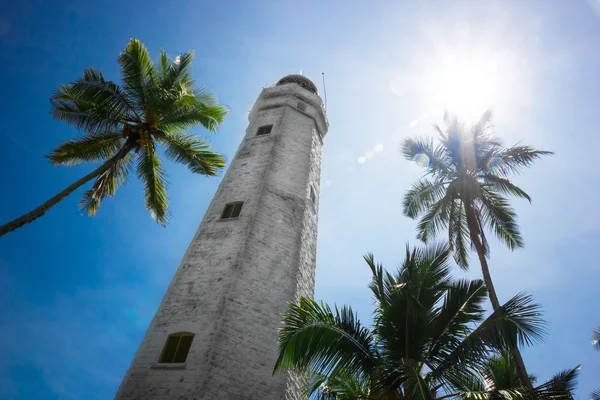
x: 515, y: 323
x: 86, y: 148
x: 511, y: 161
x: 436, y: 218
x: 195, y: 153
x: 178, y: 71
x: 106, y: 184
x: 596, y: 338
x: 462, y: 306
x: 458, y: 234
x: 137, y: 73
x: 595, y: 394
x: 561, y: 386
x: 422, y: 195
x: 181, y: 118
x: 330, y: 343
x: 425, y: 153
x: 497, y: 213
x: 502, y: 185
x: 149, y: 170
x: 342, y: 386
x: 91, y: 104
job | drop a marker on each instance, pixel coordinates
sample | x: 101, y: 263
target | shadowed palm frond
x: 193, y: 152
x: 517, y: 322
x: 596, y: 394
x: 560, y: 386
x: 504, y: 186
x: 338, y: 387
x: 596, y: 338
x: 435, y: 219
x: 497, y: 213
x: 426, y: 154
x: 106, y: 184
x: 328, y: 342
x: 149, y: 170
x: 86, y: 148
x: 462, y: 305
x: 458, y: 234
x: 422, y: 195
x: 511, y: 161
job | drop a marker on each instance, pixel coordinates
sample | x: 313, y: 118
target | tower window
x: 264, y: 130
x: 313, y: 197
x: 177, y: 348
x: 301, y: 106
x: 232, y: 210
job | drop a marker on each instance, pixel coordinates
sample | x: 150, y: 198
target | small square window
x: 313, y: 197
x: 301, y: 106
x: 232, y: 210
x: 264, y: 130
x: 177, y: 348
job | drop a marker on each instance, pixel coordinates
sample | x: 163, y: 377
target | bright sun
x: 467, y: 85
x: 465, y: 82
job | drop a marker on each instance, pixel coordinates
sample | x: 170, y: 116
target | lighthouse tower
x: 215, y: 333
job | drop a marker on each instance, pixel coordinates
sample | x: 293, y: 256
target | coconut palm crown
x: 124, y: 125
x: 429, y: 338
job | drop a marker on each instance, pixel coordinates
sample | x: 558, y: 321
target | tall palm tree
x: 464, y: 193
x: 123, y: 126
x: 429, y: 335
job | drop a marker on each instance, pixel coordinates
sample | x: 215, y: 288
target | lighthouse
x: 215, y: 333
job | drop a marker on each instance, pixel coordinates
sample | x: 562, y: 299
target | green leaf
x: 86, y: 148
x: 313, y: 336
x: 137, y: 73
x: 181, y: 118
x: 92, y: 104
x: 149, y: 170
x: 106, y: 184
x: 195, y: 153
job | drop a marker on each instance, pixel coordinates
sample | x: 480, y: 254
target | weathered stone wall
x: 237, y: 276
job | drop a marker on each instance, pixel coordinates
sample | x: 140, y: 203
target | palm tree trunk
x: 487, y: 279
x: 44, y: 207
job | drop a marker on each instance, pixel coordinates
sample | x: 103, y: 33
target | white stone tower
x: 214, y: 335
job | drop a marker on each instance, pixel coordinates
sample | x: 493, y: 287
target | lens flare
x: 494, y: 163
x: 422, y: 160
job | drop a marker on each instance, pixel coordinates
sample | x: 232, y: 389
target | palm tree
x: 464, y: 192
x: 122, y: 126
x: 498, y: 379
x: 429, y: 335
x: 596, y: 344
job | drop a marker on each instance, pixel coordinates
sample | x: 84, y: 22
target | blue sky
x: 77, y: 293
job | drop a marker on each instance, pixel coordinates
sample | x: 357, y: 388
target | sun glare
x: 467, y: 85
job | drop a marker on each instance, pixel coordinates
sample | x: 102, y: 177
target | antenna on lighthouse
x: 324, y: 90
